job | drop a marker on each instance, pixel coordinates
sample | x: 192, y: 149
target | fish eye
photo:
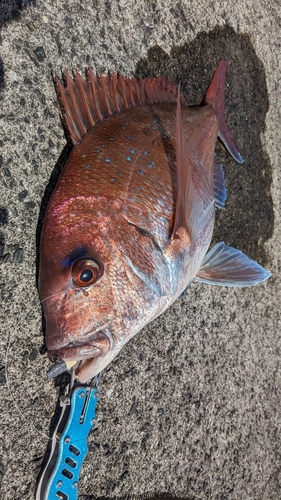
x: 85, y: 272
x: 86, y: 275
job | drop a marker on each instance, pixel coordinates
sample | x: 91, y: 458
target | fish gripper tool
x: 60, y: 477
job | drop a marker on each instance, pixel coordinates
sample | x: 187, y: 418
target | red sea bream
x: 130, y: 221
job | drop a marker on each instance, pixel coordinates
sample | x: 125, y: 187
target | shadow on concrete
x: 248, y: 221
x: 10, y: 10
x: 3, y: 222
x: 1, y: 75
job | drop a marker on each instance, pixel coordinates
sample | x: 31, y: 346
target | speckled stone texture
x: 191, y: 407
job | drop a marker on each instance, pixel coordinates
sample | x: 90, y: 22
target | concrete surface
x: 191, y: 407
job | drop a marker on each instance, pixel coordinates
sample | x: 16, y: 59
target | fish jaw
x: 88, y: 353
x: 79, y: 327
x: 89, y: 368
x: 95, y: 345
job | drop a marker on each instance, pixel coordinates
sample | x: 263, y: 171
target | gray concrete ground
x: 191, y: 407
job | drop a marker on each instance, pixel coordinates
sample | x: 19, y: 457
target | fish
x: 130, y: 221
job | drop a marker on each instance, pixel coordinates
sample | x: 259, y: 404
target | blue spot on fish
x: 153, y: 127
x: 150, y: 165
x: 145, y: 152
x: 112, y: 138
x: 132, y: 151
x: 86, y: 166
x: 141, y: 172
x: 128, y: 158
x: 155, y: 120
x: 76, y: 254
x: 107, y: 160
x: 112, y: 180
x: 121, y: 173
x: 128, y: 137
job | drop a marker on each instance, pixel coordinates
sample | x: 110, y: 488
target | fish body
x: 131, y: 219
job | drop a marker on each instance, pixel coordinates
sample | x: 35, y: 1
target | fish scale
x: 114, y: 171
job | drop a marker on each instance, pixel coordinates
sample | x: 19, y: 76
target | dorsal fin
x: 84, y: 102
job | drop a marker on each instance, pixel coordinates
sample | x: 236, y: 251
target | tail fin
x: 215, y: 97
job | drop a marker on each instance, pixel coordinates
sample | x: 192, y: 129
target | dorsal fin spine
x: 75, y: 108
x: 70, y: 124
x: 114, y: 84
x: 93, y: 81
x: 142, y: 90
x: 137, y: 91
x: 84, y: 98
x: 131, y: 95
x: 123, y: 90
x: 149, y: 92
x: 168, y: 86
x: 139, y: 96
x: 84, y: 102
x: 104, y: 93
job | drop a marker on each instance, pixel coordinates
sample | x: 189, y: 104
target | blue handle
x: 73, y: 447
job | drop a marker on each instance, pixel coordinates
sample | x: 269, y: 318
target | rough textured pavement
x: 191, y: 407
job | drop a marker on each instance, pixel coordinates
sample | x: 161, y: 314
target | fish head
x: 75, y: 288
x: 93, y: 296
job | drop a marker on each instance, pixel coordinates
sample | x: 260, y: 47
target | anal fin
x: 226, y: 266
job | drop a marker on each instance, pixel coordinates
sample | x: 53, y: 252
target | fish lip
x: 93, y: 346
x: 87, y: 340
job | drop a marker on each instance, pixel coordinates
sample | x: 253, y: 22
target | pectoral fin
x: 190, y: 215
x: 226, y: 266
x: 219, y: 185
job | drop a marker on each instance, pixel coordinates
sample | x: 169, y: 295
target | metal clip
x: 59, y: 479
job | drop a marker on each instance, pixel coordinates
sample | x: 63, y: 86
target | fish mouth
x: 93, y: 346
